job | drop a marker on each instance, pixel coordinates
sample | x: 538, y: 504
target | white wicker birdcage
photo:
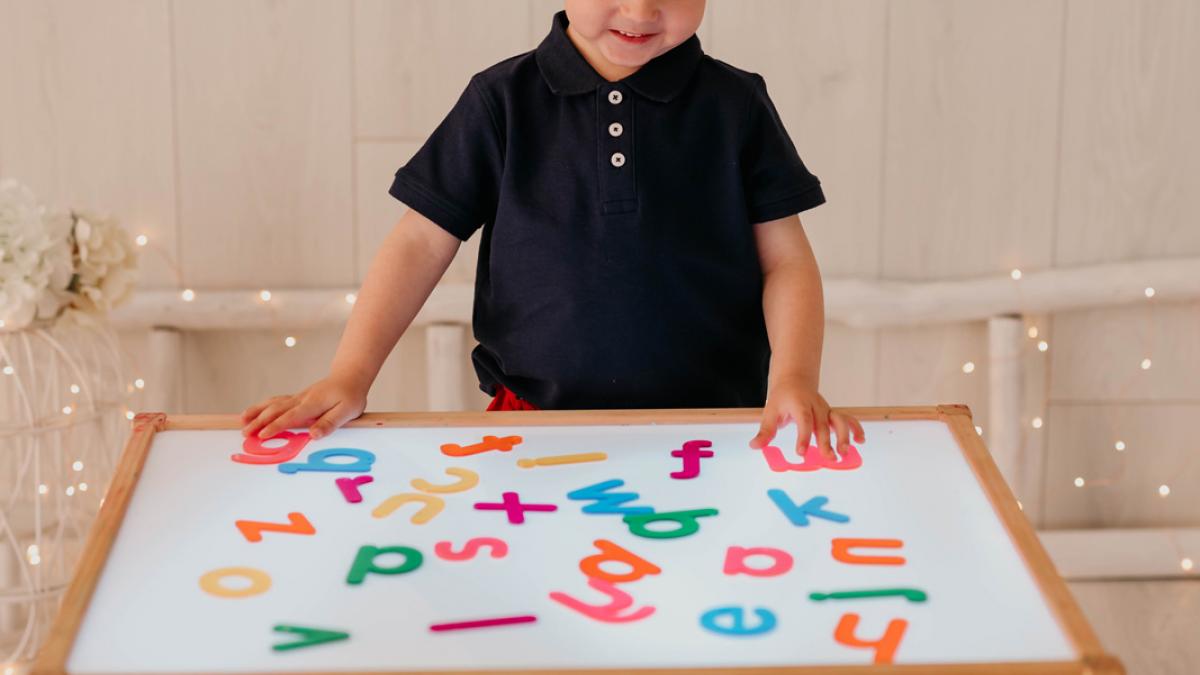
x: 63, y: 406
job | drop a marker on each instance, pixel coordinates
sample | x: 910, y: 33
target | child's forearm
x: 794, y: 309
x: 411, y: 260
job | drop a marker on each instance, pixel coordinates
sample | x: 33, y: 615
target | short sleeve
x: 775, y: 181
x: 454, y: 178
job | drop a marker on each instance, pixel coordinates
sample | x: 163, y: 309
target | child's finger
x: 859, y: 435
x: 331, y: 420
x: 766, y: 430
x: 842, y: 427
x: 254, y: 410
x: 804, y: 431
x: 267, y: 415
x: 300, y: 414
x: 822, y: 428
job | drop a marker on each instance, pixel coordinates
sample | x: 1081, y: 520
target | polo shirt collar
x: 567, y: 72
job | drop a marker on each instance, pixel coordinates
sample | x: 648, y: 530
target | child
x: 640, y: 244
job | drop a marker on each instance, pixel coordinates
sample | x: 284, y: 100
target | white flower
x: 106, y: 263
x: 35, y: 257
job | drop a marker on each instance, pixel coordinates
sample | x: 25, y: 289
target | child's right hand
x: 324, y: 406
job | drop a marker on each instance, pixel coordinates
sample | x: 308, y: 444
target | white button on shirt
x: 614, y: 97
x: 618, y: 159
x: 615, y: 129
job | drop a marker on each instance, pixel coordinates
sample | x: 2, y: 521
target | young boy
x: 640, y: 244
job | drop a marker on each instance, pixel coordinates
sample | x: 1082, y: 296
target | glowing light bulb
x: 8, y: 370
x: 74, y: 389
x: 139, y: 383
x: 129, y: 414
x: 1149, y: 291
x: 1120, y: 446
x: 1164, y: 490
x: 1146, y: 364
x: 1186, y: 564
x: 67, y: 410
x: 188, y: 295
x: 70, y: 490
x: 1037, y: 423
x: 42, y: 489
x: 289, y: 341
x: 1033, y: 332
x: 265, y: 295
x: 1016, y: 275
x: 77, y: 465
x: 83, y: 487
x: 141, y: 240
x: 1043, y: 346
x: 1079, y: 482
x: 969, y: 367
x: 351, y: 298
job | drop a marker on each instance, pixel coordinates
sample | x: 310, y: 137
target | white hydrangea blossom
x: 51, y: 262
x: 35, y: 258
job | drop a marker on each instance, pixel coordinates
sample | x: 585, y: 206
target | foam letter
x: 910, y: 594
x: 814, y: 459
x: 444, y: 550
x: 432, y: 506
x: 467, y: 479
x: 610, y: 552
x: 254, y: 452
x: 608, y: 503
x: 252, y: 529
x: 735, y: 561
x: 691, y: 453
x: 618, y: 601
x: 308, y: 637
x: 885, y: 647
x: 841, y: 551
x: 799, y: 514
x: 737, y: 621
x: 688, y: 523
x: 364, y: 562
x: 316, y: 461
x: 489, y: 443
x: 260, y: 582
x: 349, y: 487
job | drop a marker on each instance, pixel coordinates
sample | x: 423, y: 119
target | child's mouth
x: 632, y: 38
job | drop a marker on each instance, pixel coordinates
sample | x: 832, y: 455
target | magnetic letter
x: 608, y: 503
x: 688, y: 522
x: 799, y: 514
x: 736, y: 620
x: 735, y: 561
x: 611, y: 613
x: 364, y: 562
x: 885, y: 647
x: 610, y: 552
x: 691, y: 453
x: 349, y: 487
x: 909, y: 594
x: 432, y: 506
x: 467, y: 479
x: 444, y: 550
x: 254, y: 452
x: 252, y: 529
x: 316, y: 461
x: 841, y: 551
x: 260, y: 582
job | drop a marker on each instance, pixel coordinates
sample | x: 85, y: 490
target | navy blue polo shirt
x: 617, y: 266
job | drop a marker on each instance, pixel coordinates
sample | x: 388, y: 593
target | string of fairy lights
x: 1037, y: 422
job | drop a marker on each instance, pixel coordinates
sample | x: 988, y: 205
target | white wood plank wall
x: 253, y: 141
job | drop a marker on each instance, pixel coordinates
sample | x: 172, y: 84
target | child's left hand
x: 795, y: 399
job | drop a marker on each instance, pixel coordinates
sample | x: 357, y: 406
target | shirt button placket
x: 616, y: 150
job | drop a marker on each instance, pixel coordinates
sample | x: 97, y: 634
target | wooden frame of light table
x: 1092, y: 660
